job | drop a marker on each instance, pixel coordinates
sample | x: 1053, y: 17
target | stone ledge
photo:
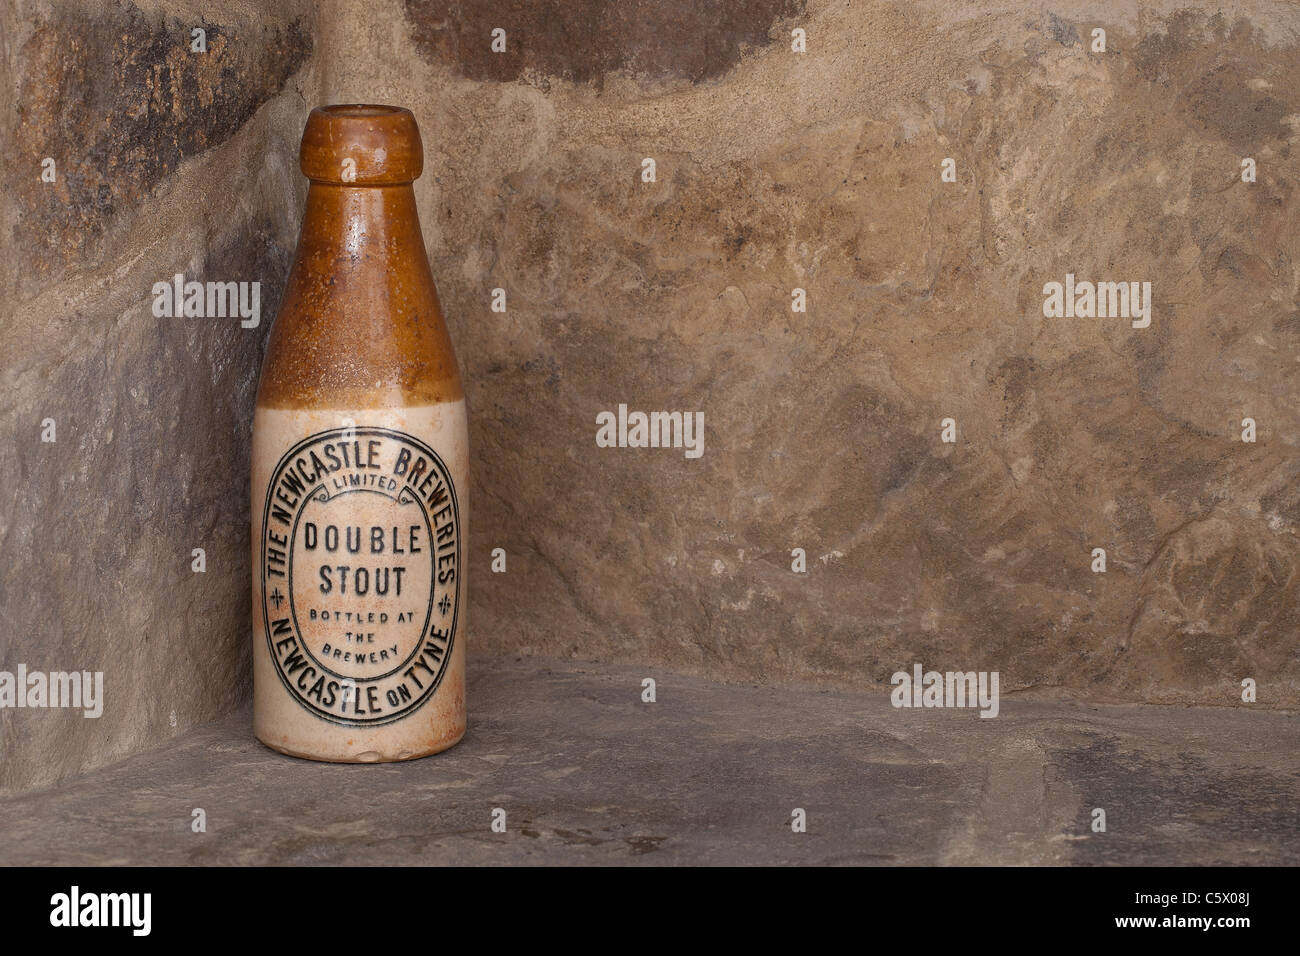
x: 708, y: 774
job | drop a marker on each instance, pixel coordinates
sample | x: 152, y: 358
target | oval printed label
x: 360, y: 551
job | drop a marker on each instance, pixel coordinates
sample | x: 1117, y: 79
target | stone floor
x: 708, y: 774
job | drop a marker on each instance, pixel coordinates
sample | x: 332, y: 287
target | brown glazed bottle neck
x: 360, y: 325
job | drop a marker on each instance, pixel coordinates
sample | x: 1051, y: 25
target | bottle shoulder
x: 360, y: 313
x: 352, y: 347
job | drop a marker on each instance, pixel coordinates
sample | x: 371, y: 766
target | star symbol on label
x: 276, y: 598
x: 444, y: 604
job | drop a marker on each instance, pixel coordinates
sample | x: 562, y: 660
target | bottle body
x: 357, y: 650
x: 360, y: 473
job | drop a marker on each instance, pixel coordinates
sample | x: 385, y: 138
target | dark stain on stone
x: 1167, y: 805
x: 1136, y: 521
x: 584, y: 40
x: 1016, y: 377
x: 734, y: 240
x: 1285, y: 501
x: 569, y: 838
x: 1287, y: 324
x: 882, y: 454
x: 118, y: 100
x: 641, y: 845
x: 1046, y: 440
x: 1062, y: 32
x: 1158, y: 56
x: 1214, y: 93
x: 1222, y: 103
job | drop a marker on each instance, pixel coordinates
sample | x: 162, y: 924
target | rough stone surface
x: 822, y: 172
x: 775, y: 170
x: 168, y: 162
x: 119, y: 99
x: 583, y: 40
x: 588, y: 773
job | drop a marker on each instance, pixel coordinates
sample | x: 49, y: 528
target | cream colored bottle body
x: 359, y: 594
x: 360, y: 469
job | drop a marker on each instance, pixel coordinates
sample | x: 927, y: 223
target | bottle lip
x: 361, y: 109
x: 361, y: 144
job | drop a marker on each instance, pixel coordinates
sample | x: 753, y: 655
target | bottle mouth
x: 361, y: 144
x: 361, y: 110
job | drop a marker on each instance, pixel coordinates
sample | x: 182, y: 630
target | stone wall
x: 165, y: 161
x: 774, y: 171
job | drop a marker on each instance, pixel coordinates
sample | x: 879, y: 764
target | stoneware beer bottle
x: 359, y: 468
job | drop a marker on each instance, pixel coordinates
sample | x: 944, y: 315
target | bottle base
x: 368, y: 756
